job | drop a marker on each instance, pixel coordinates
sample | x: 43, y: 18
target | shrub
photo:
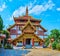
x: 54, y: 45
x: 5, y: 46
x: 58, y: 46
x: 8, y: 46
x: 0, y: 45
x: 46, y: 43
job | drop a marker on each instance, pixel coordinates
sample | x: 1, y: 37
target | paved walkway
x: 43, y: 52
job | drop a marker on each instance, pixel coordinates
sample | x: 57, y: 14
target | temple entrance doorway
x: 28, y: 41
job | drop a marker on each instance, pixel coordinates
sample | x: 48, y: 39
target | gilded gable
x: 29, y: 28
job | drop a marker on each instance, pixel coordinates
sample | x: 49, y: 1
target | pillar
x: 14, y: 43
x: 39, y: 42
x: 33, y: 42
x: 16, y: 31
x: 23, y: 42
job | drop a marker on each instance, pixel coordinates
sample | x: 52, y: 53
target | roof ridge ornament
x: 27, y: 11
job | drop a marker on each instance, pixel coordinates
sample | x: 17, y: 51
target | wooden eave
x: 23, y: 34
x: 38, y: 37
x: 11, y: 27
x: 34, y: 25
x: 28, y: 17
x: 24, y: 24
x: 43, y: 28
x: 17, y: 37
x: 35, y: 19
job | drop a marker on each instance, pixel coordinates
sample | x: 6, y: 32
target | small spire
x: 27, y: 11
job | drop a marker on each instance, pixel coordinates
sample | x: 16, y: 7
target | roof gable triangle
x: 29, y: 24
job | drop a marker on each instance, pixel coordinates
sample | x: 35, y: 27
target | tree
x: 55, y: 34
x: 1, y: 24
x: 1, y: 28
x: 3, y: 31
x: 7, y: 35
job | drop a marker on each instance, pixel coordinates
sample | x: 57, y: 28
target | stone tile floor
x: 43, y: 52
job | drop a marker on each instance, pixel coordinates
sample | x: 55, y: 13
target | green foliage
x: 0, y: 45
x: 8, y: 46
x: 55, y: 31
x: 3, y: 31
x: 47, y: 42
x: 1, y: 24
x: 54, y: 45
x: 58, y: 46
x: 7, y: 35
x: 55, y: 34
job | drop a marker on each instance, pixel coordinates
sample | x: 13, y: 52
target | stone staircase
x: 28, y: 46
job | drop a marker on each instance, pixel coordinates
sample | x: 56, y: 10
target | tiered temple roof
x: 24, y: 19
x: 26, y: 30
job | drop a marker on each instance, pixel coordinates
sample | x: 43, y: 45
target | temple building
x: 26, y: 31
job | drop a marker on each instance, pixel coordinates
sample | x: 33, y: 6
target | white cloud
x: 34, y: 9
x: 58, y: 9
x: 37, y: 9
x: 18, y: 12
x: 2, y: 7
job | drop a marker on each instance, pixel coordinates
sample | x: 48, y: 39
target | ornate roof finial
x: 27, y: 11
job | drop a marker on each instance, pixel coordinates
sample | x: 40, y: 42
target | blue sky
x: 46, y: 10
